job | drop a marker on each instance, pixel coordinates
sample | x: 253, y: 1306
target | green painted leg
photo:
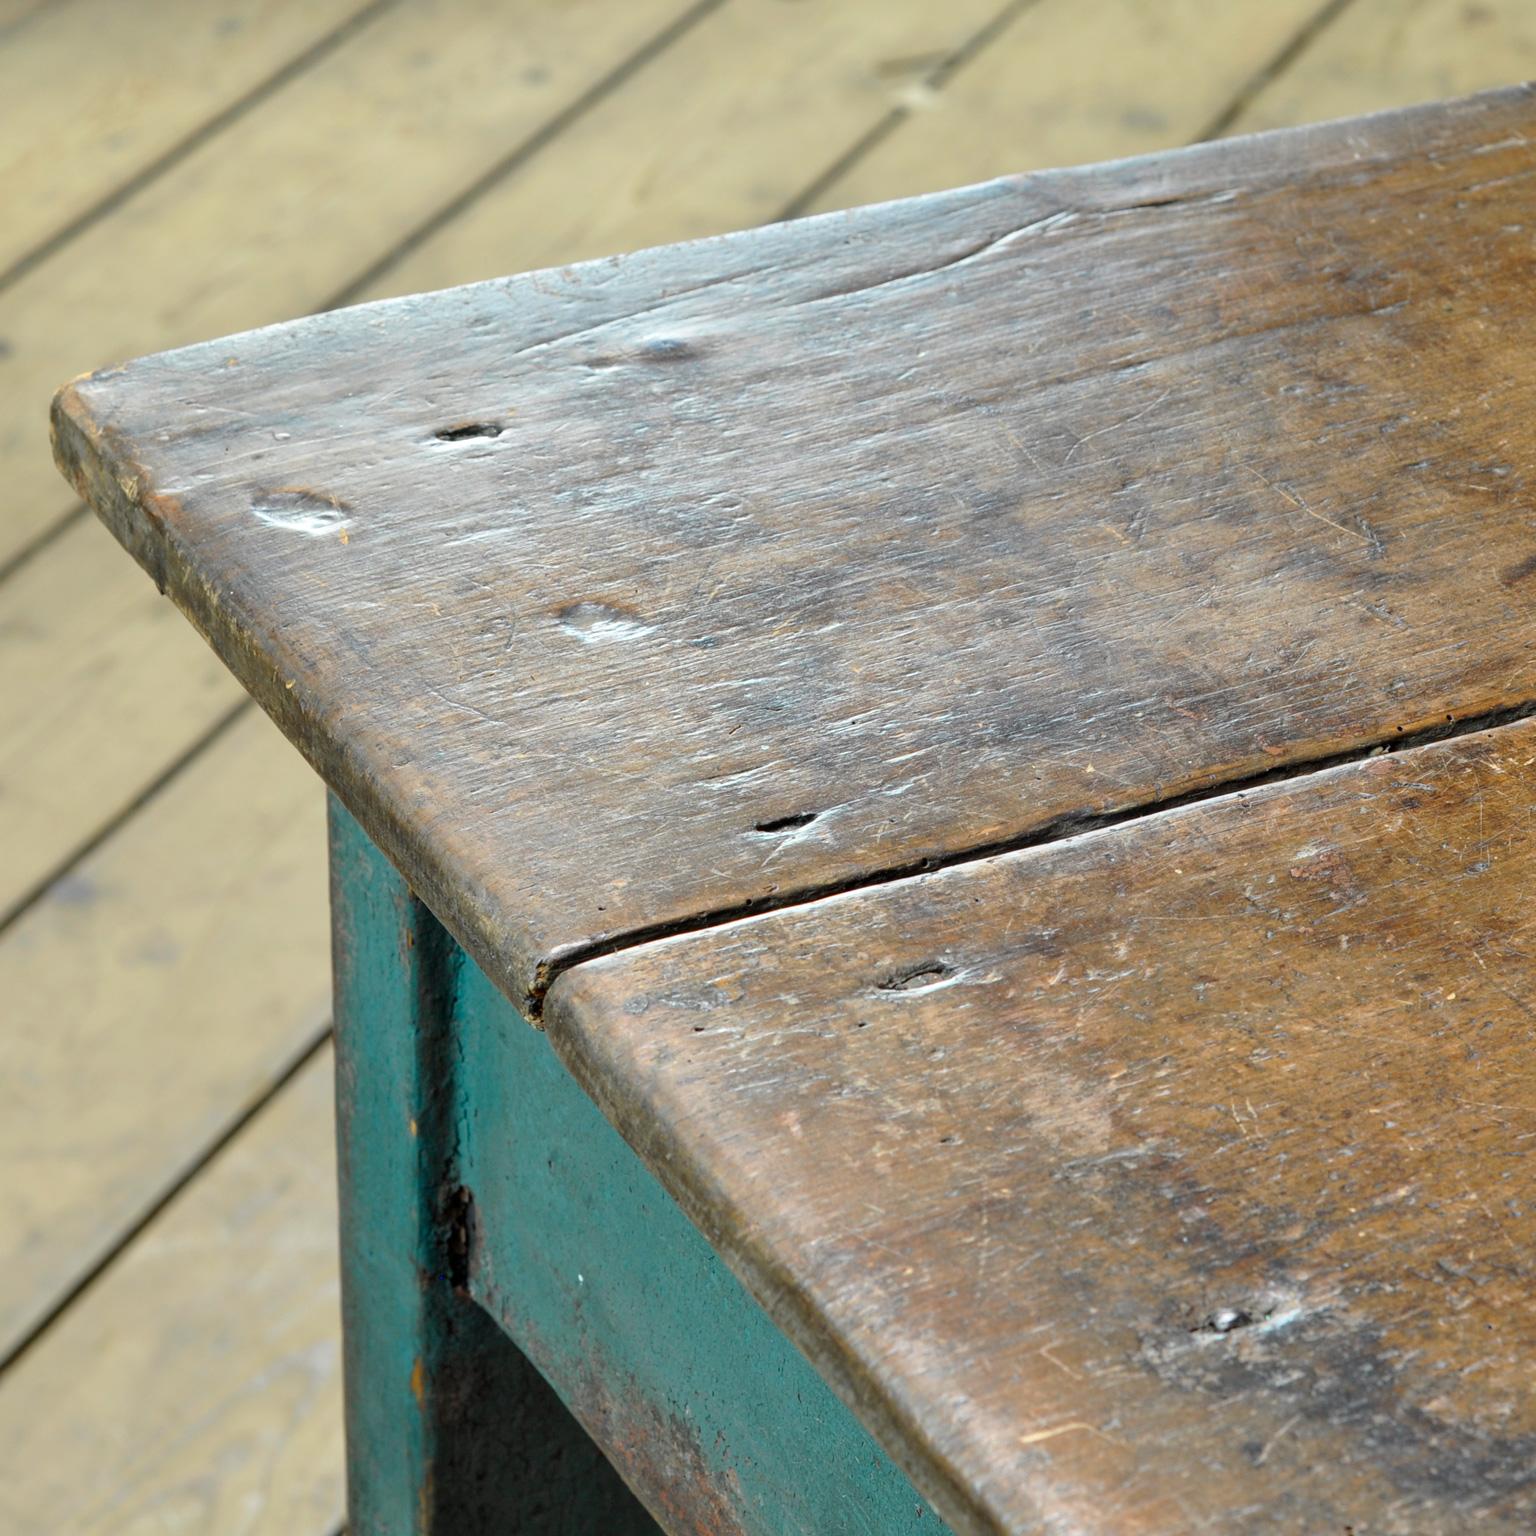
x: 473, y: 1166
x: 450, y: 1430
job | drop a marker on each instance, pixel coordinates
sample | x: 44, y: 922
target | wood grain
x: 771, y: 528
x: 121, y: 85
x: 602, y: 186
x: 257, y: 224
x: 1072, y: 81
x: 197, y: 1385
x: 1174, y: 1178
x: 150, y: 997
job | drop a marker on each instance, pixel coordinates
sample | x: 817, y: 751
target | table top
x: 1175, y: 1178
x: 1154, y: 1164
x: 647, y: 592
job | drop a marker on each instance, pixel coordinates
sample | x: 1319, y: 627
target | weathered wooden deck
x: 171, y: 170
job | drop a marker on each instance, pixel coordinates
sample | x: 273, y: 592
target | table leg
x: 450, y: 1430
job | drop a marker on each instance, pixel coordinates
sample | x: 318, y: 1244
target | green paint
x: 449, y: 1429
x: 576, y: 1250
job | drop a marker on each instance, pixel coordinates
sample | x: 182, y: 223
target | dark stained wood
x: 1176, y: 1178
x: 636, y: 593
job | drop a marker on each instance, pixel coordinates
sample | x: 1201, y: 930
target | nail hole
x: 1227, y: 1320
x: 926, y: 975
x: 667, y: 349
x: 788, y: 823
x: 467, y: 429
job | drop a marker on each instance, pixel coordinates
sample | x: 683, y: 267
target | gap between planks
x: 1064, y: 829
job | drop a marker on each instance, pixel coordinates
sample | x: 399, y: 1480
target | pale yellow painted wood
x: 151, y: 997
x: 102, y: 685
x: 1072, y: 81
x: 1389, y: 53
x: 272, y: 217
x: 93, y: 91
x: 722, y: 131
x: 196, y: 1386
x: 13, y: 13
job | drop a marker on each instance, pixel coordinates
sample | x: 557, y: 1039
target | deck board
x: 1384, y: 53
x: 122, y: 86
x: 946, y: 137
x: 1071, y: 81
x: 789, y: 101
x: 168, y: 981
x: 195, y: 1387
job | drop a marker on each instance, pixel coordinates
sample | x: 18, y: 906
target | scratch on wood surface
x: 1035, y: 1437
x: 1300, y: 505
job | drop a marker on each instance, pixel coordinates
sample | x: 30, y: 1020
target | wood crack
x: 1059, y: 829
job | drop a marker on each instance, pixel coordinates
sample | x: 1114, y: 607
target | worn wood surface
x: 1244, y: 490
x: 98, y: 697
x: 67, y: 749
x: 1174, y: 1178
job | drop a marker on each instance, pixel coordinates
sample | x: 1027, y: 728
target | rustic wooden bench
x: 989, y: 733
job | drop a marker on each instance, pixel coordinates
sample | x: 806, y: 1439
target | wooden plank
x: 152, y: 995
x: 118, y: 86
x: 1073, y: 81
x: 259, y: 224
x: 1381, y: 53
x: 13, y: 13
x: 1171, y: 1178
x: 87, y: 724
x: 197, y: 1385
x: 724, y: 130
x: 873, y: 590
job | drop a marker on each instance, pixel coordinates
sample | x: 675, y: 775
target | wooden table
x: 989, y: 734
